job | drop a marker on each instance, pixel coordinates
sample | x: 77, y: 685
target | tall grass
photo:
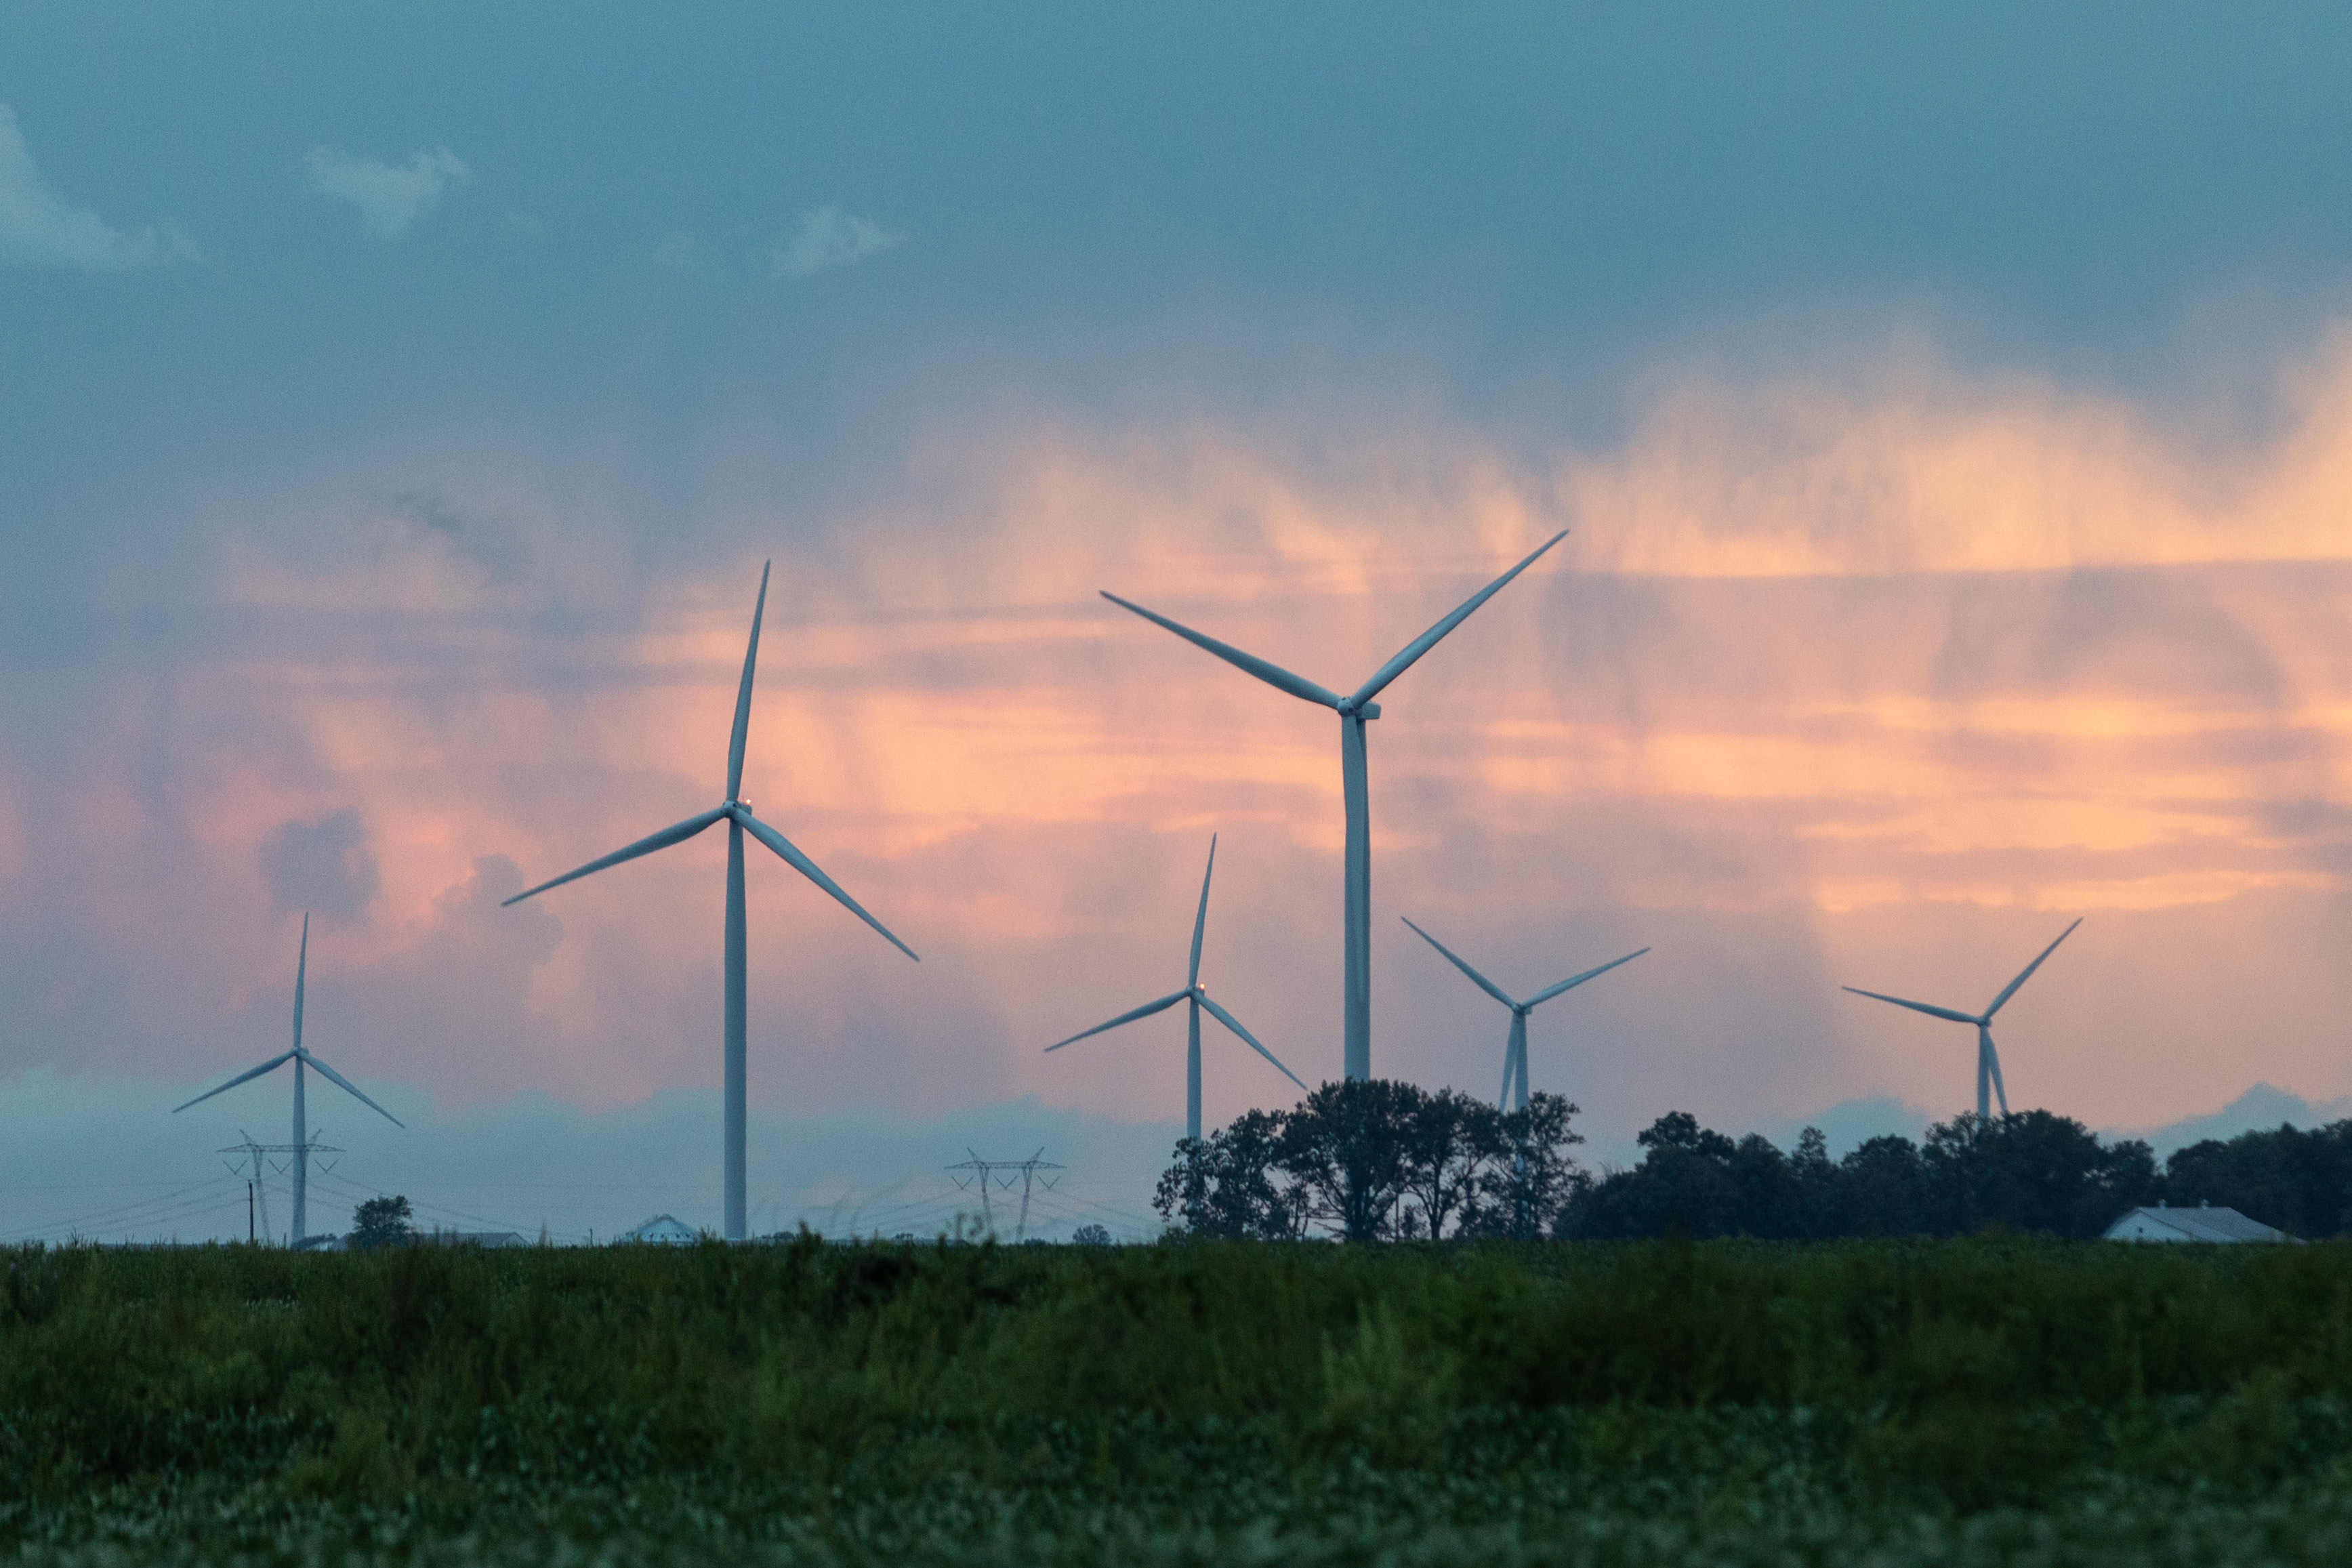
x: 1977, y: 1371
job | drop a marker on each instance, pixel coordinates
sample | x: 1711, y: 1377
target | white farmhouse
x: 2203, y: 1223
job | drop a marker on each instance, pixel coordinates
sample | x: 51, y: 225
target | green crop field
x: 1950, y: 1402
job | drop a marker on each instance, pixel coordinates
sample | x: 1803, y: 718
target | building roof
x: 663, y: 1230
x: 2202, y: 1223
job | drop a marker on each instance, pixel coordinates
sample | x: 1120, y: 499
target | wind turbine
x: 1355, y: 712
x: 1988, y: 1060
x: 737, y: 813
x: 1197, y: 995
x: 1515, y: 1054
x: 301, y: 1059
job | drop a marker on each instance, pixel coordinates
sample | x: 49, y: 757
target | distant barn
x: 474, y: 1239
x: 663, y: 1231
x: 2203, y: 1223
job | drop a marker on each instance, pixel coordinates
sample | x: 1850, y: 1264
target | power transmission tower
x: 257, y: 1157
x: 1001, y: 1171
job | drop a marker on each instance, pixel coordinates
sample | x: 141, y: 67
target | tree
x: 1815, y: 1190
x: 1685, y: 1182
x: 381, y: 1222
x: 1368, y: 1160
x: 2031, y: 1171
x: 1227, y: 1184
x: 1880, y: 1190
x: 1090, y: 1235
x: 1528, y: 1178
x: 1449, y: 1141
x: 2299, y: 1182
x: 1347, y: 1150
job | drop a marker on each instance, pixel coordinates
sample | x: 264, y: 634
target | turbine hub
x: 1350, y: 706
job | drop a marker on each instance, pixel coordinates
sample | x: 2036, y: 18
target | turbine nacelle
x: 1350, y: 706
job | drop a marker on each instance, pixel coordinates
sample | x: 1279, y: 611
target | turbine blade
x: 246, y: 1075
x: 808, y: 868
x: 1229, y: 1022
x: 1993, y: 1059
x: 2009, y: 990
x: 1917, y: 1006
x: 1488, y: 986
x: 743, y: 693
x: 301, y: 973
x: 646, y: 845
x: 340, y: 1081
x: 1573, y: 981
x: 1428, y: 639
x: 1271, y: 674
x: 1201, y: 920
x: 1128, y: 1016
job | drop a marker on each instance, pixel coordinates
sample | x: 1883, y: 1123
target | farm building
x: 662, y: 1231
x: 2203, y: 1223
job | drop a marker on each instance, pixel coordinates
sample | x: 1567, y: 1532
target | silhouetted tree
x: 1228, y: 1183
x: 1368, y: 1160
x: 1529, y: 1177
x: 381, y: 1222
x: 1684, y: 1183
x: 2031, y: 1171
x: 1347, y: 1149
x: 1449, y: 1141
x: 1880, y: 1190
x: 2300, y: 1182
x: 2028, y: 1172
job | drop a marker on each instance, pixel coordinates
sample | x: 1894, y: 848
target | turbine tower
x: 737, y: 813
x: 1197, y: 995
x: 1988, y: 1060
x: 1355, y: 712
x: 301, y: 1059
x: 1515, y: 1053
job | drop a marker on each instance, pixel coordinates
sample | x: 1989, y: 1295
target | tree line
x: 1383, y: 1160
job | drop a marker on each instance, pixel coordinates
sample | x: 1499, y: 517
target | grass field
x: 1949, y: 1403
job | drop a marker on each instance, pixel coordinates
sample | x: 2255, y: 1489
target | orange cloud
x: 1950, y: 643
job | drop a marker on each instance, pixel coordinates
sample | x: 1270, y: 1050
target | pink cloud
x: 1826, y: 684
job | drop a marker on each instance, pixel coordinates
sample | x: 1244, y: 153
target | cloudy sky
x: 1952, y: 417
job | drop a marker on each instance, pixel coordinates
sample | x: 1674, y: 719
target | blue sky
x: 395, y: 407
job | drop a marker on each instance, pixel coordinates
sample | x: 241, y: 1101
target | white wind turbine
x: 1515, y: 1053
x: 300, y: 1058
x: 1988, y: 1060
x: 1355, y: 711
x: 1197, y: 995
x: 737, y: 813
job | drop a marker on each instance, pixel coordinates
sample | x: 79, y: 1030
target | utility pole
x: 983, y: 1168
